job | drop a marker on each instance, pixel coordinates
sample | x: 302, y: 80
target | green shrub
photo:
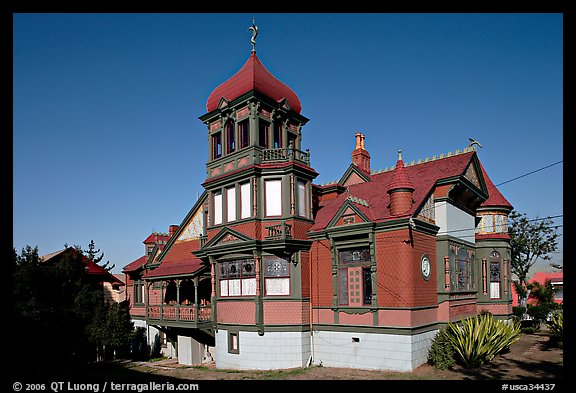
x: 556, y: 326
x: 518, y: 311
x: 478, y: 339
x: 541, y: 312
x: 529, y: 330
x: 441, y: 353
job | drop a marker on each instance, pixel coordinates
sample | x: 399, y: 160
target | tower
x: 258, y: 210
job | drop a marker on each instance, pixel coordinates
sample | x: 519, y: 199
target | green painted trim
x: 197, y: 273
x: 408, y: 330
x: 451, y: 239
x: 225, y: 232
x: 197, y: 205
x: 204, y: 325
x: 370, y: 308
x: 266, y: 328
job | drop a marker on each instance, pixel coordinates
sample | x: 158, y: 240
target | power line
x: 529, y: 173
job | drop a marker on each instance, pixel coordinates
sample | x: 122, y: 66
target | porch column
x: 178, y: 282
x: 195, y: 282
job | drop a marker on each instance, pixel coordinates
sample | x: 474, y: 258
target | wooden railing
x: 285, y: 154
x: 183, y: 313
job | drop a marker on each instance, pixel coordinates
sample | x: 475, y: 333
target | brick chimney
x: 400, y: 189
x: 360, y: 156
x: 172, y: 230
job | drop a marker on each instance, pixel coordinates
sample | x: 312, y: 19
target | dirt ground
x: 529, y: 358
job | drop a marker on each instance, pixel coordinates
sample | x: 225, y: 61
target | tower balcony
x: 285, y: 154
x: 255, y: 155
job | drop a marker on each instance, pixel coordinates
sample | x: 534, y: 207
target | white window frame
x: 217, y: 207
x: 231, y: 204
x: 273, y: 190
x: 301, y: 198
x: 245, y: 200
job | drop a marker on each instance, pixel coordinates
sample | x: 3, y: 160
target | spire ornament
x: 254, y: 29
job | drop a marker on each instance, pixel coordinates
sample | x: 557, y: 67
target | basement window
x: 233, y: 342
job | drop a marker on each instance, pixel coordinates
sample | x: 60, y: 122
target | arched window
x: 494, y: 275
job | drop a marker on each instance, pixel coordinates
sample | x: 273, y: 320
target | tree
x: 91, y: 254
x: 54, y: 304
x: 113, y: 330
x: 530, y: 240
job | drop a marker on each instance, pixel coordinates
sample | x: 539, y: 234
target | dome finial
x: 254, y: 29
x: 399, y: 155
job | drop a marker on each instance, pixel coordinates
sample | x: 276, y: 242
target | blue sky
x: 107, y: 144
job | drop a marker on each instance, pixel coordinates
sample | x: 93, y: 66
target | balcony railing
x: 279, y: 232
x: 181, y: 313
x: 286, y: 154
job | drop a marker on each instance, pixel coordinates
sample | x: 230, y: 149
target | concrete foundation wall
x: 371, y: 351
x: 273, y: 350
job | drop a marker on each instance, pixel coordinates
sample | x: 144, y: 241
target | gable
x: 347, y: 214
x: 193, y: 229
x: 353, y: 175
x: 225, y: 236
x: 223, y: 103
x: 471, y: 174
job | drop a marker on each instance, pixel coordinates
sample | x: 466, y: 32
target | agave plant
x: 478, y: 339
x: 556, y: 325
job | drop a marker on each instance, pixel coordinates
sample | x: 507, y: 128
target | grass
x: 257, y: 374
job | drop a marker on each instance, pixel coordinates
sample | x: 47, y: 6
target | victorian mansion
x: 269, y: 270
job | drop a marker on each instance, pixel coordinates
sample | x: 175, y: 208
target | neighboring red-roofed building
x: 112, y: 285
x: 269, y: 270
x: 557, y: 281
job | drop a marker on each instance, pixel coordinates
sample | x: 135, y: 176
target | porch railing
x: 183, y: 313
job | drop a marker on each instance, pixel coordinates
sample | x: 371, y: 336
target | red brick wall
x: 400, y: 202
x: 281, y: 313
x: 496, y: 309
x: 400, y: 281
x: 236, y: 312
x: 305, y: 273
x: 321, y: 259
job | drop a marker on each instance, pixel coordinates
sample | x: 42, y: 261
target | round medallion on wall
x: 426, y: 267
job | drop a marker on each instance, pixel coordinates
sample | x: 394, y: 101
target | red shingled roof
x: 253, y: 76
x: 175, y: 268
x: 181, y: 251
x: 423, y: 176
x: 400, y: 178
x: 156, y: 237
x: 92, y: 267
x: 495, y: 198
x: 135, y: 265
